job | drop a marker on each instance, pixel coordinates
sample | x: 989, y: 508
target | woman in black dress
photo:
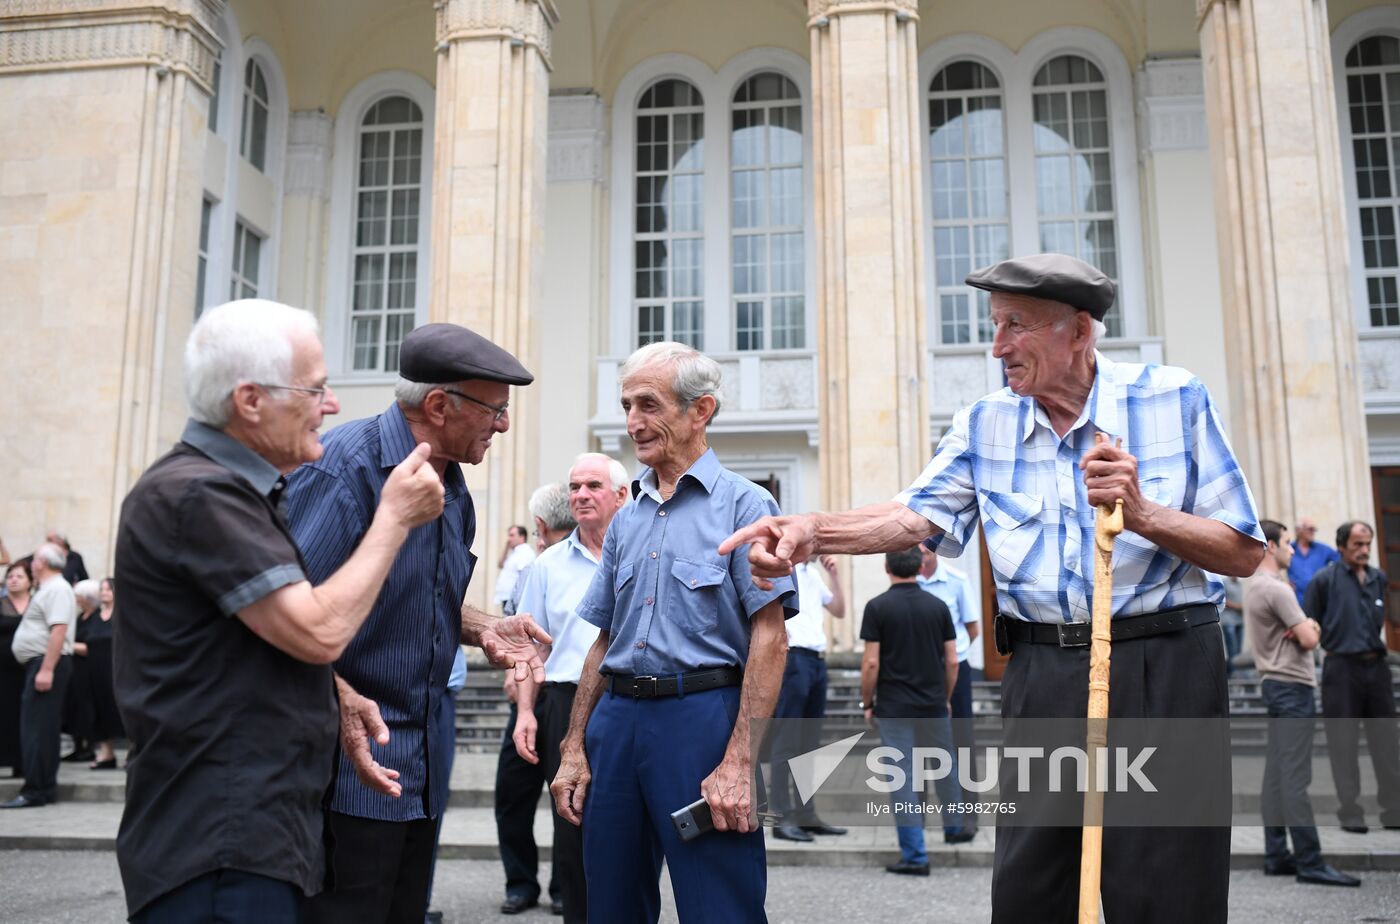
x: 18, y: 582
x: 107, y: 722
x: 78, y: 700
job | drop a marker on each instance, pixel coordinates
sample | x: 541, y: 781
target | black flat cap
x: 1053, y: 276
x: 438, y: 353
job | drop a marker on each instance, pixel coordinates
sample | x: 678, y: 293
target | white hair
x: 693, y: 374
x: 52, y: 555
x: 1097, y: 328
x: 248, y: 340
x: 550, y: 504
x: 412, y: 394
x: 87, y: 590
x: 617, y: 472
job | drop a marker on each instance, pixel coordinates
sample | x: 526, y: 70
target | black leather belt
x: 1080, y: 634
x: 1365, y: 657
x: 809, y: 652
x: 651, y: 687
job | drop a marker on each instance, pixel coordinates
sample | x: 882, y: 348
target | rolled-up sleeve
x: 230, y: 548
x: 1221, y: 492
x: 944, y: 493
x: 752, y: 597
x: 600, y: 601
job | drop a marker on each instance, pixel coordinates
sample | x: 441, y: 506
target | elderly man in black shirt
x: 222, y: 645
x: 1348, y: 599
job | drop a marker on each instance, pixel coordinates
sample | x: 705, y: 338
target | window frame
x: 1016, y: 71
x: 717, y: 89
x: 1377, y: 21
x: 340, y: 265
x: 243, y: 229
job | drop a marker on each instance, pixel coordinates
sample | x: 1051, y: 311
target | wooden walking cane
x: 1108, y: 523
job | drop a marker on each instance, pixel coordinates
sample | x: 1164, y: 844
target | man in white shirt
x: 515, y: 557
x: 803, y: 696
x: 553, y: 588
x: 952, y: 588
x: 43, y: 645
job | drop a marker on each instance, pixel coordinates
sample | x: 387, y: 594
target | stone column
x: 870, y: 294
x: 105, y: 109
x: 1295, y: 402
x: 306, y: 191
x: 488, y: 222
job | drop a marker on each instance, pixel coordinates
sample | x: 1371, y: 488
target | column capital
x: 527, y: 22
x: 42, y: 35
x: 818, y: 11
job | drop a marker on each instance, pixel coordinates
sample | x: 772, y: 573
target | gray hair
x: 87, y: 590
x: 693, y: 374
x: 248, y: 340
x: 617, y: 472
x: 412, y: 394
x: 51, y: 555
x: 550, y: 504
x: 1097, y: 328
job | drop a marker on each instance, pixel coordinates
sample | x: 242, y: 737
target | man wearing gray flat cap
x: 385, y: 800
x: 1030, y: 463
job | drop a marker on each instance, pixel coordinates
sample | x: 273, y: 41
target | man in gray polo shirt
x: 1283, y: 642
x: 44, y: 645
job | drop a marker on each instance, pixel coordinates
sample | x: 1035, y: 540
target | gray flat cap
x: 438, y: 353
x: 1053, y: 276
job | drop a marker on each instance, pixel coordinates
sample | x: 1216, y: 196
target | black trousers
x: 1288, y: 773
x: 40, y: 718
x: 226, y: 896
x: 1162, y: 875
x: 963, y: 734
x: 552, y: 708
x: 802, y: 696
x: 1356, y: 693
x: 380, y: 871
x: 518, y: 788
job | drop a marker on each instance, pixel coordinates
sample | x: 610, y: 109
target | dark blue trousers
x: 803, y: 696
x: 226, y: 896
x: 648, y: 758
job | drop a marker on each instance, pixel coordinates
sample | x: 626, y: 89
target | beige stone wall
x: 99, y: 198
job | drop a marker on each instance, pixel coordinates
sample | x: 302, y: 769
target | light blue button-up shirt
x: 551, y: 591
x: 1003, y: 464
x: 669, y: 601
x: 952, y: 589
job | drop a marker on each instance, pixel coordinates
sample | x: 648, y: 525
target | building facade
x: 797, y: 188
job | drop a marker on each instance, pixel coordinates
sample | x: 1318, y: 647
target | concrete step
x: 470, y: 833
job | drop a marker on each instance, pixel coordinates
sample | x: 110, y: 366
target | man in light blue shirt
x: 691, y: 650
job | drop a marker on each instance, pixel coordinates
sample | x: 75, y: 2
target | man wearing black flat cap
x: 452, y: 393
x: 1030, y: 463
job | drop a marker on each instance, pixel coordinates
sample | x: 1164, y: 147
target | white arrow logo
x: 810, y: 770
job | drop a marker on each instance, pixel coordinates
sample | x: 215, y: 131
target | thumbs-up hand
x: 413, y: 493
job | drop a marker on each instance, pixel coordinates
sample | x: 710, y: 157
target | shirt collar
x: 1101, y: 406
x: 396, y: 441
x: 704, y: 470
x: 232, y: 455
x: 937, y: 577
x: 577, y: 545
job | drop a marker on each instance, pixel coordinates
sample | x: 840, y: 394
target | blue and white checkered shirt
x: 1002, y: 463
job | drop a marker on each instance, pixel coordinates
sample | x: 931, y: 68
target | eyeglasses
x: 499, y: 410
x: 318, y: 393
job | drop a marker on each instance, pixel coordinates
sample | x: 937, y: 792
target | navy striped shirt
x: 402, y: 656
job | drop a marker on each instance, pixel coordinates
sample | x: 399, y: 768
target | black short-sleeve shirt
x: 235, y: 739
x: 911, y: 626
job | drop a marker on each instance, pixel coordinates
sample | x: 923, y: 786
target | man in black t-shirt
x: 906, y: 677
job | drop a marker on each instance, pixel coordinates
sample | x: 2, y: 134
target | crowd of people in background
x: 55, y: 668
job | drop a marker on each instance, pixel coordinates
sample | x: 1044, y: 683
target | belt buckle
x: 644, y: 686
x: 1065, y: 641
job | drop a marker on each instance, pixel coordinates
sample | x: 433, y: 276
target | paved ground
x: 469, y: 891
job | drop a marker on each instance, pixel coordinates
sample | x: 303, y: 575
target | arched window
x: 668, y: 234
x: 766, y: 208
x: 253, y: 140
x: 1373, y: 113
x: 388, y: 202
x: 1073, y: 166
x: 967, y: 154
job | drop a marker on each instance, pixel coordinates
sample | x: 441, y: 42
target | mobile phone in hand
x: 693, y: 820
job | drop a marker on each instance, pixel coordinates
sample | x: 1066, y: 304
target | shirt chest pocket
x: 695, y: 604
x: 1015, y: 534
